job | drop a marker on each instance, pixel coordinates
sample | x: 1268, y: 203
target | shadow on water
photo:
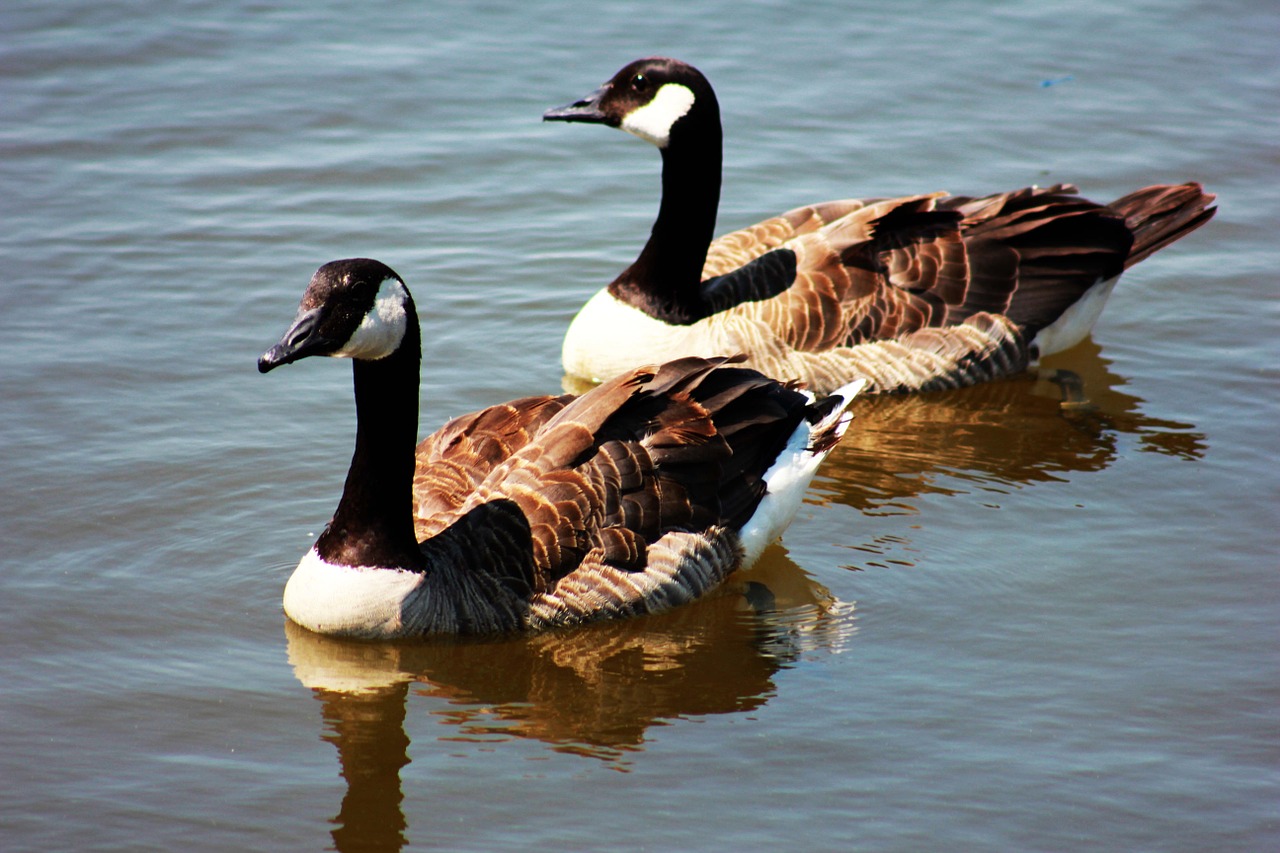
x: 596, y: 691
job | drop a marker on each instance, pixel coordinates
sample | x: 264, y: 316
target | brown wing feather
x: 736, y: 248
x: 586, y: 469
x: 454, y: 459
x: 654, y: 451
x: 880, y: 269
x: 841, y: 274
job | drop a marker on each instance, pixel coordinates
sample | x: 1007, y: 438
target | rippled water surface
x: 1000, y: 621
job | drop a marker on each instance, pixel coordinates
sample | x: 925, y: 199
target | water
x: 999, y: 622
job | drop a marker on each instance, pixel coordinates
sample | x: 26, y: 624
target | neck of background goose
x: 665, y: 281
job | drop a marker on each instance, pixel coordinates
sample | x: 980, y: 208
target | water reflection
x: 997, y: 437
x: 596, y: 691
x: 593, y: 691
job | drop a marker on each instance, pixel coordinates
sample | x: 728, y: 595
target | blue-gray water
x: 999, y: 623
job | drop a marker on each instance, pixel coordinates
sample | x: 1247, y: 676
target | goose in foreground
x: 641, y: 494
x: 922, y: 292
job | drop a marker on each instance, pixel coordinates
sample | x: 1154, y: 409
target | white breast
x: 347, y: 600
x: 609, y: 337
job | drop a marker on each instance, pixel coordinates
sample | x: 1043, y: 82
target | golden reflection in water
x: 996, y: 437
x: 592, y: 691
x: 596, y: 691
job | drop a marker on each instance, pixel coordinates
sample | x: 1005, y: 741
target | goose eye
x: 640, y: 82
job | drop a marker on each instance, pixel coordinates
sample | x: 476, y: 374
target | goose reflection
x: 592, y: 691
x: 1070, y: 418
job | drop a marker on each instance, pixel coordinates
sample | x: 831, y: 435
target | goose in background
x: 642, y: 494
x: 916, y: 293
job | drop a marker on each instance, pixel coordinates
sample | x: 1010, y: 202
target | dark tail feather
x: 1159, y: 215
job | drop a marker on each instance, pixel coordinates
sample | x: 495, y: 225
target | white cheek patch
x: 653, y: 121
x: 382, y: 329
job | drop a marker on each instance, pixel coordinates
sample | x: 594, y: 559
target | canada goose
x: 637, y: 496
x: 921, y: 292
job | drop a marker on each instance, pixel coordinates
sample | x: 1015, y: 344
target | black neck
x: 373, y: 525
x: 665, y: 281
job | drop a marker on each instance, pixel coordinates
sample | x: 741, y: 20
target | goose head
x: 656, y: 99
x: 355, y: 308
